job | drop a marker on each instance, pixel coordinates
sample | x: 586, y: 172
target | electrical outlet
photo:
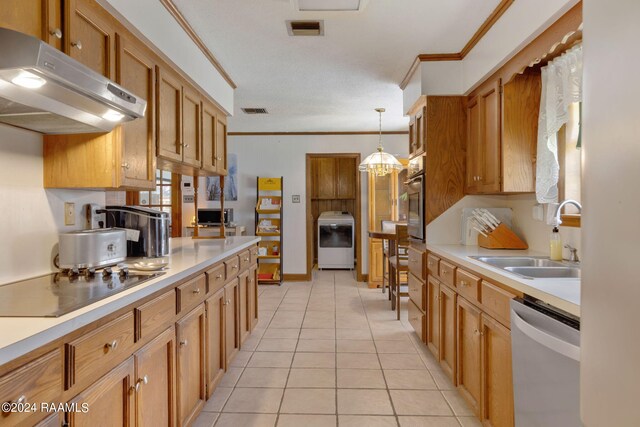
x: 538, y: 212
x: 69, y: 213
x: 295, y: 198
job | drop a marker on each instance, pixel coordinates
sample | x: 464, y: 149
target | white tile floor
x: 330, y: 353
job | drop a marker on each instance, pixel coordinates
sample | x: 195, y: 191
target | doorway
x: 332, y: 184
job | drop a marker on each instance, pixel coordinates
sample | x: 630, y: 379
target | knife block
x: 501, y: 238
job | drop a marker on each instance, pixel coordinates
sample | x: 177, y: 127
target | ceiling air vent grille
x: 255, y: 111
x: 305, y: 28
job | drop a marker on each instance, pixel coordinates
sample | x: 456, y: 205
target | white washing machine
x: 336, y: 238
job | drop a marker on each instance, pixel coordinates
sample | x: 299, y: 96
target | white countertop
x: 563, y: 293
x: 20, y: 335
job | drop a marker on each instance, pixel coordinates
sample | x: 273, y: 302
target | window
x: 570, y: 160
x: 160, y: 198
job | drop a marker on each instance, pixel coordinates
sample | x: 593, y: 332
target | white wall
x: 152, y: 20
x: 610, y: 373
x: 446, y: 228
x: 30, y: 217
x: 286, y: 156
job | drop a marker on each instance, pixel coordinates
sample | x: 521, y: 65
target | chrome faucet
x: 562, y: 205
x: 573, y: 254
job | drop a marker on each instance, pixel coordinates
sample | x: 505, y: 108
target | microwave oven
x: 214, y: 216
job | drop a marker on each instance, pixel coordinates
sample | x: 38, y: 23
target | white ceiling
x: 334, y: 82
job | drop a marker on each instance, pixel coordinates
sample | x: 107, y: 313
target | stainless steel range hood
x: 44, y: 90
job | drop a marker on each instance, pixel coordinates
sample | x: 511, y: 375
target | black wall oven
x: 415, y: 191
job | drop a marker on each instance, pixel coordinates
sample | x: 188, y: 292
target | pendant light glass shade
x: 380, y: 163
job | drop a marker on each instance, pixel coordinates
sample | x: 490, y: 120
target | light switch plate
x: 69, y: 213
x: 188, y: 198
x: 295, y: 198
x: 538, y: 212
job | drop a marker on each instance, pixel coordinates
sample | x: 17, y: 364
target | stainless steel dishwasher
x: 545, y: 346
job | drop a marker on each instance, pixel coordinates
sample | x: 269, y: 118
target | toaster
x: 92, y: 248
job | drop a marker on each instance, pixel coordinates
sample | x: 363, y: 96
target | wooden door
x: 253, y: 296
x: 490, y: 100
x: 190, y: 332
x: 90, y: 36
x: 448, y: 331
x: 221, y: 144
x: 215, y: 307
x: 243, y: 290
x: 191, y: 118
x: 473, y: 146
x: 109, y: 401
x: 38, y: 18
x: 169, y: 115
x: 433, y: 316
x: 346, y: 173
x: 209, y: 126
x: 375, y: 262
x: 326, y: 177
x: 497, y: 382
x: 469, y: 362
x: 232, y: 320
x: 135, y: 71
x: 156, y: 381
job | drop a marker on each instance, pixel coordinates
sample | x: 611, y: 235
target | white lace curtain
x: 561, y: 87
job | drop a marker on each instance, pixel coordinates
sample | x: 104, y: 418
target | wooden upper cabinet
x: 38, y: 18
x: 209, y: 130
x: 490, y: 101
x: 346, y: 174
x: 474, y: 155
x: 155, y: 381
x: 90, y: 36
x: 326, y: 179
x: 191, y: 131
x: 169, y: 110
x: 136, y: 72
x: 221, y: 144
x: 417, y: 129
x: 190, y: 333
x: 110, y: 400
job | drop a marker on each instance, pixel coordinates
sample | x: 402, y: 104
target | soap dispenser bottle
x: 555, y: 245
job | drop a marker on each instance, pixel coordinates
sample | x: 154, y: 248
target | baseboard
x: 296, y: 278
x: 365, y: 278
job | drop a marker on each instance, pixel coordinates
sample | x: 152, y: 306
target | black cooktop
x: 56, y: 294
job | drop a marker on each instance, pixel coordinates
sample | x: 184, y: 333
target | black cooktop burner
x: 60, y: 293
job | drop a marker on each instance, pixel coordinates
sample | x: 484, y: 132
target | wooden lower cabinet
x: 416, y: 319
x: 447, y: 355
x: 190, y: 333
x: 110, y: 401
x: 215, y: 308
x: 253, y: 296
x: 155, y: 382
x: 497, y: 381
x: 375, y: 263
x: 232, y: 320
x: 469, y: 364
x: 53, y: 420
x: 433, y: 316
x: 243, y: 290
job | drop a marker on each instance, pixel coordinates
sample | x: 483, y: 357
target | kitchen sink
x: 546, y: 272
x: 532, y: 267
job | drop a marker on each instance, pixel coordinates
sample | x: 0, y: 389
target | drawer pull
x: 247, y: 259
x: 464, y: 283
x: 196, y: 291
x: 111, y: 345
x: 183, y: 343
x: 234, y: 267
x: 20, y: 400
x: 219, y: 276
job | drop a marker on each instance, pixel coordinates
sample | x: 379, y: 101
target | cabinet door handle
x: 247, y: 259
x: 77, y: 45
x: 141, y: 381
x: 183, y: 343
x: 196, y: 291
x: 19, y: 401
x: 218, y: 158
x: 464, y: 283
x: 219, y: 276
x: 126, y: 165
x: 56, y: 32
x: 111, y: 345
x: 185, y: 145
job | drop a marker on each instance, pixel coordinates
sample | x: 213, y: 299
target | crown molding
x: 458, y: 56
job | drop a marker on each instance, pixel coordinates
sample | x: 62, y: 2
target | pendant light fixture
x: 380, y: 163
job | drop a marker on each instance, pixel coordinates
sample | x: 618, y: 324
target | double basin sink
x: 533, y: 267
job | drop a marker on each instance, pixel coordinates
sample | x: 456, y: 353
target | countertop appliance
x: 92, y: 248
x: 46, y: 91
x: 147, y: 229
x: 336, y: 240
x: 57, y: 294
x: 215, y: 216
x: 415, y: 222
x: 545, y: 347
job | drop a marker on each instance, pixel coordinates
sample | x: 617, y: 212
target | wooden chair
x: 386, y: 226
x: 398, y: 264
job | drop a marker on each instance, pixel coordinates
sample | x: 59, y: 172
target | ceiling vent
x: 329, y: 5
x: 254, y: 110
x: 305, y: 28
